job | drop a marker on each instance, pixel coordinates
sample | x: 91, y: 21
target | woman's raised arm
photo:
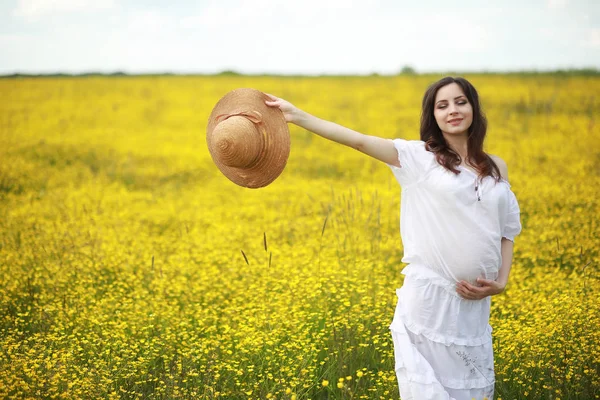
x: 376, y: 147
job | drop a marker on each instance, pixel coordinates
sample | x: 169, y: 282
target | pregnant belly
x: 468, y: 272
x: 472, y: 263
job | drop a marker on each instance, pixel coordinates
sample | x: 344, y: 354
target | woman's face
x: 452, y: 111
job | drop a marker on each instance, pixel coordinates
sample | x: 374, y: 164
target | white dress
x: 451, y: 227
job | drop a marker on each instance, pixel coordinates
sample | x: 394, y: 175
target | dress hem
x: 428, y: 377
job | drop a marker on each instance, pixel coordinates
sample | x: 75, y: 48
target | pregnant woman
x: 458, y: 220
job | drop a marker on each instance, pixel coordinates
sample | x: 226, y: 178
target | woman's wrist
x: 501, y: 284
x: 300, y: 118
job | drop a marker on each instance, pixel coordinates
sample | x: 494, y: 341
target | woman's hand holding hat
x: 290, y: 112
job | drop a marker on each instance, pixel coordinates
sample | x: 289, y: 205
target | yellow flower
x: 325, y: 383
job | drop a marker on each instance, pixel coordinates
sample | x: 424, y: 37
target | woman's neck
x: 458, y: 143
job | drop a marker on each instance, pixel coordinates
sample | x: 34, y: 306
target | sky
x: 297, y: 36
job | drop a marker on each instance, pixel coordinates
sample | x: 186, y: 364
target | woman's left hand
x: 486, y: 288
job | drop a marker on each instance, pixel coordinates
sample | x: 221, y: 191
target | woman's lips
x: 455, y: 121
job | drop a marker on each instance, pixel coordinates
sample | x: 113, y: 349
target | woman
x: 458, y: 220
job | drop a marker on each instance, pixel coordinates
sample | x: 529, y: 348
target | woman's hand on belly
x: 486, y: 288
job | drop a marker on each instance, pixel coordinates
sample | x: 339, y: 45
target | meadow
x: 132, y: 268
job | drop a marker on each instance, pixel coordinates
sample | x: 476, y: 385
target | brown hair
x: 435, y: 142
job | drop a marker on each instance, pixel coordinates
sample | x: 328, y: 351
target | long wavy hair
x: 434, y: 140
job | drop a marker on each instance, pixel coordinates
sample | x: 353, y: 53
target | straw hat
x: 248, y: 140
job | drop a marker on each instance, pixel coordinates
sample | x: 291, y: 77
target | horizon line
x: 230, y: 72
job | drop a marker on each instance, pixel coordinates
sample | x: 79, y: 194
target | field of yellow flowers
x: 132, y: 268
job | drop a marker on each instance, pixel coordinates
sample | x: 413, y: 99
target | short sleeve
x: 512, y: 222
x: 413, y: 158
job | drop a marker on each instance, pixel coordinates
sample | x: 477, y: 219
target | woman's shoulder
x: 501, y: 166
x: 411, y: 144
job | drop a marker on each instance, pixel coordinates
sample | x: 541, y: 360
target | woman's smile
x: 455, y: 121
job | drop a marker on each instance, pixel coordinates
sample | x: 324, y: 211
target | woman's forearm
x: 376, y: 147
x: 506, y: 250
x: 329, y: 130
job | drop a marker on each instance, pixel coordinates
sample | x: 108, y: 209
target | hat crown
x: 238, y: 143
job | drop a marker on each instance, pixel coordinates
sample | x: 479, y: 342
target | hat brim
x: 273, y: 128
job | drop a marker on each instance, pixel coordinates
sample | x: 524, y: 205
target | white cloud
x: 592, y: 38
x: 15, y: 39
x: 34, y: 9
x: 150, y: 21
x: 557, y: 4
x: 265, y: 13
x: 12, y: 45
x: 440, y: 34
x: 547, y: 33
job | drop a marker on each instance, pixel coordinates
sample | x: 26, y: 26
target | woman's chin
x: 456, y: 132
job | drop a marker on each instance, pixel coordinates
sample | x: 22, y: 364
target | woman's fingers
x: 493, y: 287
x: 463, y: 292
x: 273, y: 101
x: 468, y: 296
x: 288, y: 110
x: 470, y: 292
x: 485, y: 282
x: 470, y: 288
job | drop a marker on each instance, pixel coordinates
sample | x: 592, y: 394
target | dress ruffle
x: 442, y: 343
x: 428, y: 305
